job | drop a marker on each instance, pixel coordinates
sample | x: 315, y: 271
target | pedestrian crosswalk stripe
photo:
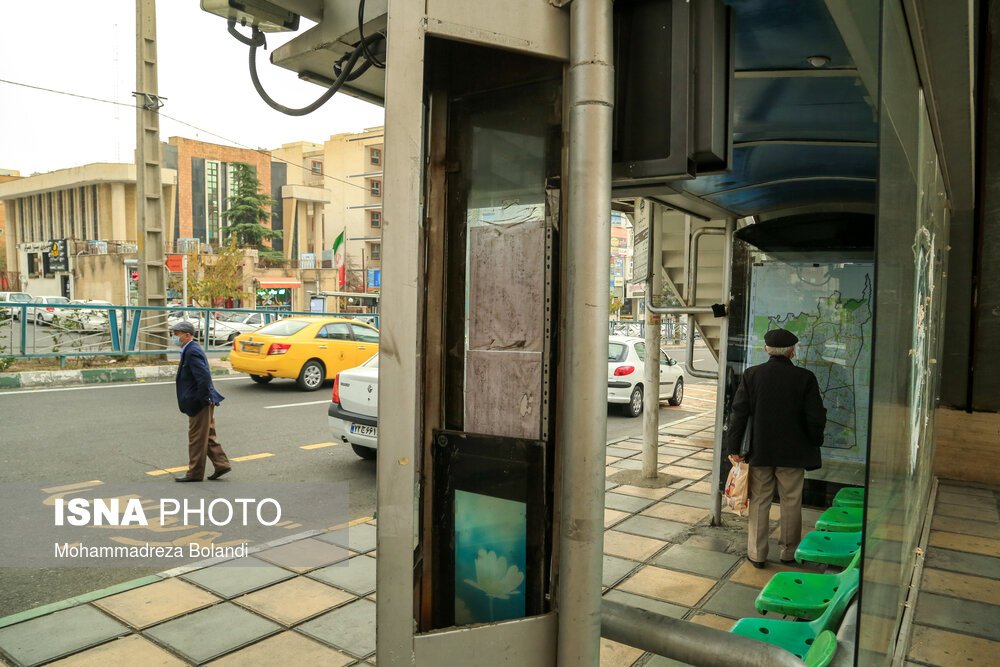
x: 167, y: 471
x: 319, y: 445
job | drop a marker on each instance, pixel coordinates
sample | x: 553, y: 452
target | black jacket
x: 788, y: 415
x: 194, y: 381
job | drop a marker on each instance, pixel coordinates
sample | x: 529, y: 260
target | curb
x: 86, y: 376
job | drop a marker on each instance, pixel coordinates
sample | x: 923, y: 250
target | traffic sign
x: 175, y: 263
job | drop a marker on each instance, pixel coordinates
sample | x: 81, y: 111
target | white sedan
x: 626, y: 372
x: 353, y: 412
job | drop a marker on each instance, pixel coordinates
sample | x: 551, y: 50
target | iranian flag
x: 338, y: 259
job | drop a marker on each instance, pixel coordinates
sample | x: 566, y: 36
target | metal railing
x: 29, y: 330
x: 669, y: 331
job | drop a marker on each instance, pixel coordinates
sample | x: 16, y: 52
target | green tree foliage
x: 210, y: 282
x: 249, y: 209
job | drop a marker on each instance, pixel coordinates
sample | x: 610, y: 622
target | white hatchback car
x: 626, y: 370
x: 353, y: 412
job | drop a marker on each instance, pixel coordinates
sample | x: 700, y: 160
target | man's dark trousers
x: 202, y: 443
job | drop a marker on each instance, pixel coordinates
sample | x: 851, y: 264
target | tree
x: 209, y: 283
x: 248, y: 209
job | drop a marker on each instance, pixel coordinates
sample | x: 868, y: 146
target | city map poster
x: 829, y: 307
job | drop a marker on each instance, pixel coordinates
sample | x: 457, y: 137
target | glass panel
x: 616, y: 352
x: 364, y: 334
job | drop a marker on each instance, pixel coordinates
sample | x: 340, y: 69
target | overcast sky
x: 88, y: 48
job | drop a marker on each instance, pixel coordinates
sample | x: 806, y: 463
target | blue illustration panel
x: 490, y: 558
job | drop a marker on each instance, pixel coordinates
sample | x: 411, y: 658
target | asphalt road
x: 117, y: 435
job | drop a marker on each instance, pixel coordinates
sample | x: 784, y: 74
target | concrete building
x: 7, y: 281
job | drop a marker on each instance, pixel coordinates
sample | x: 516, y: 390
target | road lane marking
x: 294, y: 405
x: 71, y: 487
x: 165, y: 471
x: 317, y: 446
x: 350, y: 524
x: 107, y: 386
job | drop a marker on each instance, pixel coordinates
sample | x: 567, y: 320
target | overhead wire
x: 185, y: 123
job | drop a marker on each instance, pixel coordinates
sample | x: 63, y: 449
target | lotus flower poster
x: 490, y: 558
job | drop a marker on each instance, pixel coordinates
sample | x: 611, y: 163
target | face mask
x: 176, y: 340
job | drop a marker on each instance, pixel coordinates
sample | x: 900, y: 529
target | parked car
x: 225, y: 326
x: 308, y: 349
x: 353, y: 411
x: 626, y: 370
x: 13, y: 297
x: 84, y: 319
x: 44, y: 311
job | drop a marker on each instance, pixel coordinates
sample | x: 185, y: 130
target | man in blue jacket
x: 785, y: 436
x: 197, y: 398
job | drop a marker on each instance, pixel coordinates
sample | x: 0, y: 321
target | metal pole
x: 651, y: 367
x: 688, y: 642
x: 692, y: 278
x: 720, y: 396
x: 184, y: 263
x: 582, y: 408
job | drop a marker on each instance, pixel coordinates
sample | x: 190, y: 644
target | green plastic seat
x: 829, y: 548
x: 849, y: 496
x: 841, y: 519
x: 801, y: 594
x: 798, y: 637
x: 821, y: 652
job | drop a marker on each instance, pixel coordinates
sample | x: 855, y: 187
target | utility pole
x: 149, y: 189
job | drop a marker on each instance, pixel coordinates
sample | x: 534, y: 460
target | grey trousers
x: 202, y: 444
x: 761, y: 491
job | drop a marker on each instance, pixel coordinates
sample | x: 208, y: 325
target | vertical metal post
x: 720, y: 400
x: 582, y: 409
x: 149, y: 204
x: 184, y: 264
x: 651, y: 379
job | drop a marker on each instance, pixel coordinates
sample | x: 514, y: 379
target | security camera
x: 261, y: 14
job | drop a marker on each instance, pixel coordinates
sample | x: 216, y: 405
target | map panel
x: 829, y: 307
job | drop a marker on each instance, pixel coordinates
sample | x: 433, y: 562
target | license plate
x: 365, y: 429
x: 251, y: 347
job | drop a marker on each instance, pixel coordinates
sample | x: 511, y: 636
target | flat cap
x: 780, y: 338
x: 183, y: 327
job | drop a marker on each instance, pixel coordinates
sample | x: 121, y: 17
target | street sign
x: 641, y: 244
x: 175, y: 263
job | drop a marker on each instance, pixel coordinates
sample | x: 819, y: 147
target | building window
x: 375, y: 155
x: 212, y: 202
x: 376, y: 188
x: 317, y: 167
x: 376, y: 251
x: 376, y: 218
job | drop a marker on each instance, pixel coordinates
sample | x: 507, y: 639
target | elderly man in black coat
x: 786, y: 432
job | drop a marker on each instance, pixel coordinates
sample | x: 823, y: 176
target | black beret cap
x: 183, y: 327
x: 780, y: 338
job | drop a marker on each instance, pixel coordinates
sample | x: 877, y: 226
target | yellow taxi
x: 307, y: 349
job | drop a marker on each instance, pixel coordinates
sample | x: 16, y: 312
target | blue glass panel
x: 781, y: 34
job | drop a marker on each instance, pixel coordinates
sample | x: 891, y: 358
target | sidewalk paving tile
x: 758, y: 578
x: 968, y: 616
x: 279, y: 649
x: 56, y: 635
x: 615, y: 568
x: 704, y: 456
x: 350, y: 628
x: 608, y: 460
x: 673, y: 512
x: 685, y: 472
x: 212, y: 632
x: 649, y: 604
x: 238, y: 577
x: 961, y: 585
x: 734, y: 601
x: 713, y: 542
x: 124, y: 652
x: 357, y: 577
x: 692, y: 462
x: 970, y: 543
x: 666, y: 458
x: 712, y: 621
x: 304, y: 555
x: 623, y: 503
x: 960, y: 561
x: 979, y: 511
x: 700, y: 561
x: 643, y: 492
x: 668, y: 585
x: 700, y: 487
x: 148, y: 605
x: 360, y: 538
x: 294, y: 601
x: 614, y: 654
x: 611, y: 517
x: 648, y: 526
x: 627, y: 464
x: 689, y: 498
x: 629, y: 546
x: 620, y: 452
x: 940, y: 647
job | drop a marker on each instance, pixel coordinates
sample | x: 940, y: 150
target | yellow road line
x: 70, y: 487
x: 319, y: 445
x: 167, y: 471
x: 341, y: 526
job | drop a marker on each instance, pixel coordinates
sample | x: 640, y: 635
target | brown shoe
x: 219, y: 472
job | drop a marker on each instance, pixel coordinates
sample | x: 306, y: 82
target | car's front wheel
x: 261, y: 379
x: 311, y: 376
x: 678, y: 394
x: 634, y: 406
x: 366, y: 453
